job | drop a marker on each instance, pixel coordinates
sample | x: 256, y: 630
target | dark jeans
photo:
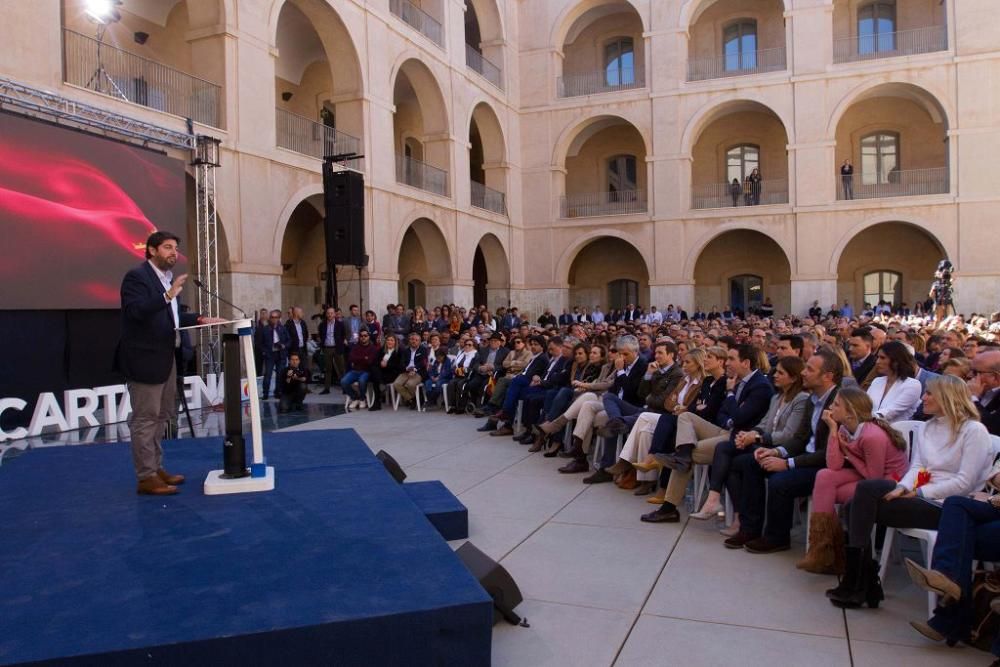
x: 775, y: 491
x: 347, y: 382
x: 517, y: 386
x: 722, y: 462
x: 560, y: 403
x: 273, y: 366
x: 968, y: 530
x: 867, y: 508
x: 664, y: 435
x: 619, y: 409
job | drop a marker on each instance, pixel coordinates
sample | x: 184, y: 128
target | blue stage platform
x: 336, y: 566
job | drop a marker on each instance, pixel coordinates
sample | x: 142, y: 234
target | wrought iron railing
x: 743, y: 64
x: 729, y: 195
x: 591, y: 204
x: 489, y: 199
x: 890, y: 44
x: 111, y: 71
x: 302, y: 135
x: 418, y: 19
x: 478, y: 63
x: 421, y: 175
x: 601, y: 81
x: 897, y: 183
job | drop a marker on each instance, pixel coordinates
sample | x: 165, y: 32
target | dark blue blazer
x: 755, y: 399
x: 146, y: 350
x: 629, y: 384
x: 264, y: 340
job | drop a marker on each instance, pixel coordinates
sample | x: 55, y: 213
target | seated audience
x: 896, y: 392
x: 413, y: 370
x: 439, y: 374
x: 360, y: 361
x: 951, y: 456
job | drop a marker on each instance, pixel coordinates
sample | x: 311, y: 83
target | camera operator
x: 293, y: 384
x: 942, y: 291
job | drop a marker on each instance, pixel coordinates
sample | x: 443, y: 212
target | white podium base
x: 215, y: 485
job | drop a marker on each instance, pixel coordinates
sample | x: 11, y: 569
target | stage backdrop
x: 75, y: 212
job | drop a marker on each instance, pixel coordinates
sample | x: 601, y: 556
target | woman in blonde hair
x: 951, y: 457
x: 860, y: 447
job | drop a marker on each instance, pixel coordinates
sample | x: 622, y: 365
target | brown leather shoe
x: 154, y: 486
x: 168, y: 479
x: 502, y: 431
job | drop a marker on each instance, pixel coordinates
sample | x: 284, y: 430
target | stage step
x: 441, y: 507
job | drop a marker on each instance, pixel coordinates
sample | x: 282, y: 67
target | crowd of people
x: 775, y: 410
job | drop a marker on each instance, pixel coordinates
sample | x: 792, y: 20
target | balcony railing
x: 890, y: 44
x: 601, y: 81
x: 418, y: 19
x: 486, y: 69
x: 909, y: 183
x: 421, y: 175
x: 489, y: 199
x: 623, y: 202
x: 726, y: 195
x: 111, y: 71
x: 743, y: 64
x: 302, y: 135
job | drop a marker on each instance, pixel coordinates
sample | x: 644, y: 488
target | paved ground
x: 602, y: 588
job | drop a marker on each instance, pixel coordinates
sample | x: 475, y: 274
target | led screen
x: 75, y: 212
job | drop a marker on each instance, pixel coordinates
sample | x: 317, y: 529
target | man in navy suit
x: 272, y: 341
x: 146, y: 356
x: 747, y: 401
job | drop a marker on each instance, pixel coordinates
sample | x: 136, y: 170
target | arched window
x: 740, y: 161
x: 621, y: 293
x: 746, y: 292
x: 619, y: 62
x: 879, y: 158
x: 622, y: 175
x: 416, y: 294
x: 739, y: 45
x: 877, y: 27
x: 883, y: 286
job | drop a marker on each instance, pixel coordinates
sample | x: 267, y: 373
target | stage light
x: 103, y: 12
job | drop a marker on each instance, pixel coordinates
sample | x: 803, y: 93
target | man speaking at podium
x: 151, y: 317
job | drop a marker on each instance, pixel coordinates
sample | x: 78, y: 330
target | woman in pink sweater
x: 860, y: 447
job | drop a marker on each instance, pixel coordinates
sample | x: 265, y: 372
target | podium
x: 236, y: 476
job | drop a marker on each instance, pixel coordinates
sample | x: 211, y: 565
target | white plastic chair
x: 927, y: 539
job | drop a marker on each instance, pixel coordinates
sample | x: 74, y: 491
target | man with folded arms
x: 789, y: 471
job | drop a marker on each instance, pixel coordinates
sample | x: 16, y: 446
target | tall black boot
x: 849, y: 579
x: 864, y: 587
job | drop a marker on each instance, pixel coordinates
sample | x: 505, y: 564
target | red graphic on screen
x: 75, y: 212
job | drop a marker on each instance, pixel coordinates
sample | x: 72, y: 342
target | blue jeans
x: 514, y: 390
x: 968, y: 530
x: 361, y: 377
x: 618, y: 408
x: 273, y: 366
x: 432, y: 390
x: 560, y: 403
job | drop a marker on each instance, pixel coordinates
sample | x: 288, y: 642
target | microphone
x: 214, y: 295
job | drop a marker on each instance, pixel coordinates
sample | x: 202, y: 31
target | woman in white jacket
x: 895, y: 393
x: 951, y: 456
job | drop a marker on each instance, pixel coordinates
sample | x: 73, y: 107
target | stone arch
x: 423, y: 254
x: 575, y: 135
x: 339, y: 45
x: 293, y: 202
x: 740, y: 266
x: 303, y: 252
x: 491, y: 131
x: 491, y: 257
x: 565, y: 20
x: 601, y: 269
x: 916, y: 252
x: 569, y: 255
x: 895, y: 87
x: 920, y: 225
x: 491, y: 23
x: 434, y: 110
x: 691, y: 10
x: 724, y: 105
x: 698, y: 247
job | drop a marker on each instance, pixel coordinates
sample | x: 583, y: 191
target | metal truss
x: 205, y: 162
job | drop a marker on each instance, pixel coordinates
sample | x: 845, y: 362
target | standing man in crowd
x: 331, y: 338
x: 273, y: 343
x: 146, y: 355
x: 298, y: 336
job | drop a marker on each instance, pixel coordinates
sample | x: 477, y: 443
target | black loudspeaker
x: 391, y: 466
x: 344, y: 200
x: 496, y: 580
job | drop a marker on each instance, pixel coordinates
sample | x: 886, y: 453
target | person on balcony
x: 847, y: 179
x: 754, y: 182
x: 735, y: 190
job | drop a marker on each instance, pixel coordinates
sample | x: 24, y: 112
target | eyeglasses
x: 976, y: 373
